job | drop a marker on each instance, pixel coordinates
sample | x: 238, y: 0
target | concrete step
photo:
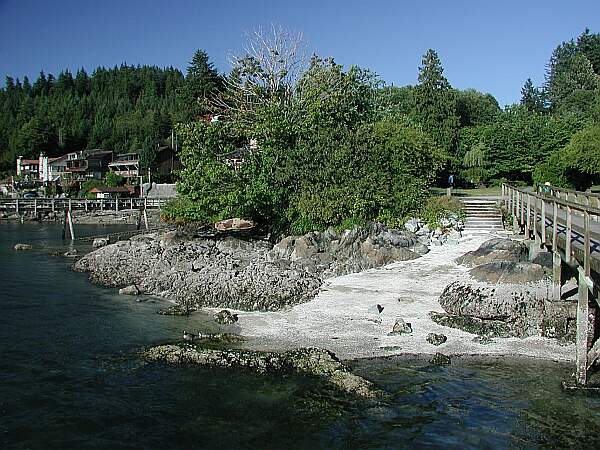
x: 485, y: 226
x: 483, y: 214
x: 479, y: 202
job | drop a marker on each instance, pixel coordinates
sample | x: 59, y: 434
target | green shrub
x: 304, y: 225
x: 350, y: 223
x: 438, y: 207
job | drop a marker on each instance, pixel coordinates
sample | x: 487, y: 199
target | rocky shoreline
x: 247, y: 275
x: 283, y: 298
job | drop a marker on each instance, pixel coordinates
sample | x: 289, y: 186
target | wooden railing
x: 571, y: 211
x: 535, y: 212
x: 570, y: 195
x: 35, y: 205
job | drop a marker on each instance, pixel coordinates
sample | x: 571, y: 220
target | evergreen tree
x: 589, y: 44
x: 570, y: 78
x: 201, y: 82
x: 531, y: 97
x: 40, y: 85
x: 435, y: 103
x: 26, y: 86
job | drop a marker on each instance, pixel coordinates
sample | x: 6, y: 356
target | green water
x: 70, y: 378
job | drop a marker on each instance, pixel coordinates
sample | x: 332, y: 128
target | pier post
x: 556, y: 275
x: 117, y: 204
x: 35, y: 207
x: 528, y: 221
x: 543, y: 223
x: 70, y: 222
x: 53, y: 205
x: 17, y: 206
x: 581, y: 344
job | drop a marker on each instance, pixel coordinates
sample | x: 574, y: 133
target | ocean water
x: 71, y: 378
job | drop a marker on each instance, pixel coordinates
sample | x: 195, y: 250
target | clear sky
x: 492, y: 46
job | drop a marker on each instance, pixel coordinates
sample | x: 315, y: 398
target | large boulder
x: 505, y: 295
x: 509, y: 272
x: 495, y: 250
x: 521, y: 308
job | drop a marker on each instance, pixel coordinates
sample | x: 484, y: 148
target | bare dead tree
x: 268, y: 70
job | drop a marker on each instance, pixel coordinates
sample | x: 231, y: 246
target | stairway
x: 482, y: 214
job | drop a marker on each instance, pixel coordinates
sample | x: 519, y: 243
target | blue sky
x: 492, y: 46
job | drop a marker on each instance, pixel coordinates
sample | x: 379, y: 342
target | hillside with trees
x: 124, y: 109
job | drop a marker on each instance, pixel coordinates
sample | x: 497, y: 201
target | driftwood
x: 235, y: 224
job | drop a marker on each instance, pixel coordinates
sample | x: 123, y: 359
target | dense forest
x: 335, y: 144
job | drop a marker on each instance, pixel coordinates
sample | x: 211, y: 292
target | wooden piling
x: 70, y: 221
x: 556, y: 275
x: 581, y: 344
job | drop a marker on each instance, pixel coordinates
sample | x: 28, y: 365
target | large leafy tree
x: 435, y: 103
x: 519, y: 141
x: 476, y: 108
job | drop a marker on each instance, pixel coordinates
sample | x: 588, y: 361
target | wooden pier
x: 40, y: 205
x: 566, y: 222
x: 68, y: 207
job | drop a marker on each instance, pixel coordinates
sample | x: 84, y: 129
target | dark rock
x: 400, y: 327
x: 439, y: 359
x: 495, y: 250
x: 379, y: 308
x: 130, y: 290
x: 519, y: 308
x: 559, y: 320
x: 225, y: 317
x: 100, y: 242
x: 306, y: 361
x: 71, y: 253
x: 483, y: 340
x: 23, y: 247
x: 436, y: 339
x: 474, y: 325
x: 242, y: 274
x: 544, y: 259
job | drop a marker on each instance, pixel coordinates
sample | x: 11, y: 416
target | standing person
x: 450, y: 184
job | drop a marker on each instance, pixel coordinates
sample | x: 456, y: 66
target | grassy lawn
x: 497, y: 190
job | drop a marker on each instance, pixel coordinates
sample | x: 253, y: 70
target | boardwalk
x: 39, y: 205
x: 567, y: 223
